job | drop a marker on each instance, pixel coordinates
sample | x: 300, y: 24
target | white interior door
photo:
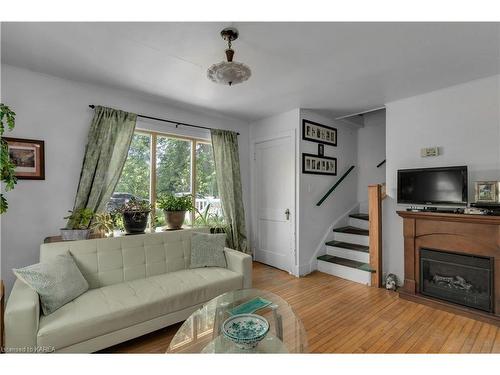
x: 275, y: 202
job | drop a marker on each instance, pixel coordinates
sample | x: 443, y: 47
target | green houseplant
x: 214, y: 221
x: 78, y: 225
x: 7, y: 168
x: 103, y: 224
x: 135, y: 215
x: 175, y: 209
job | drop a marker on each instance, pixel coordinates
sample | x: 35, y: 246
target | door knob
x: 287, y: 214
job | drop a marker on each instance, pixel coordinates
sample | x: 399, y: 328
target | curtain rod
x: 177, y: 123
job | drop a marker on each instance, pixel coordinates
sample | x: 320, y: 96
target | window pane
x: 173, y: 170
x: 134, y: 181
x: 207, y: 201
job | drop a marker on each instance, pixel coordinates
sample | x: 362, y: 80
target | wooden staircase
x: 355, y: 253
x: 348, y: 255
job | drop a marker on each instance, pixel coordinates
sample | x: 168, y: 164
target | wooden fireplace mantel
x: 469, y: 234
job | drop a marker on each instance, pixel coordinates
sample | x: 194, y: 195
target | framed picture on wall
x: 487, y: 191
x: 314, y: 132
x: 28, y: 155
x: 323, y: 165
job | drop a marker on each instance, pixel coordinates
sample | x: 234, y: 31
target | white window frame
x: 153, y: 136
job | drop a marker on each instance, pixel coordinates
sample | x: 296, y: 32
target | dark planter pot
x: 135, y: 222
x: 217, y: 230
x: 175, y: 219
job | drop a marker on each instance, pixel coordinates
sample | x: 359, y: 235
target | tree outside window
x: 172, y: 172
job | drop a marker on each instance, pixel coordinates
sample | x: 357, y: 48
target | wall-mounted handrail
x: 335, y: 185
x: 381, y: 163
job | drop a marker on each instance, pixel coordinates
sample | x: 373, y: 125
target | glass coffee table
x: 202, y: 333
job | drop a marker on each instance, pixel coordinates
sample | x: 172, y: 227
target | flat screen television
x: 446, y: 185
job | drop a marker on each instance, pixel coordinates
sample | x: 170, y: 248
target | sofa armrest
x: 241, y: 263
x: 22, y: 315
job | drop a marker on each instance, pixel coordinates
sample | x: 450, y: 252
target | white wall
x: 56, y: 111
x: 268, y: 128
x: 315, y: 221
x: 463, y: 120
x: 371, y: 151
x: 312, y: 222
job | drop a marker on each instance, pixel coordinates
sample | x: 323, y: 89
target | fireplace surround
x: 452, y: 262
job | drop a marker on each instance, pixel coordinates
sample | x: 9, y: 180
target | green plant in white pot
x: 78, y: 225
x: 175, y: 209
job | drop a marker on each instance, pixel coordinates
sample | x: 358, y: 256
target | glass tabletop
x: 202, y: 332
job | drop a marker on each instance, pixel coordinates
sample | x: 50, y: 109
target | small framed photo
x: 487, y: 191
x: 323, y: 165
x: 314, y: 132
x: 28, y: 155
x: 321, y: 149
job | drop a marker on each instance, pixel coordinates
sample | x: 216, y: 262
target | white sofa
x: 138, y: 284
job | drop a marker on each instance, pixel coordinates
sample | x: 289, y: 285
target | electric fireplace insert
x: 459, y: 278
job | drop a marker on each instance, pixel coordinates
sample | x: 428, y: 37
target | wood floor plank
x: 471, y: 338
x: 456, y: 340
x: 341, y: 316
x: 496, y: 345
x: 417, y: 330
x: 480, y: 339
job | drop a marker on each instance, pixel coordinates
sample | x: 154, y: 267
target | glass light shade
x: 229, y: 73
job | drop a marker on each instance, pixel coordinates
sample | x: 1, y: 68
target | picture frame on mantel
x: 319, y: 165
x: 487, y: 191
x: 28, y: 156
x: 315, y: 132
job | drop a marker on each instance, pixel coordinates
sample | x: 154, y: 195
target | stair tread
x: 360, y: 216
x: 352, y: 230
x: 350, y: 246
x: 346, y: 262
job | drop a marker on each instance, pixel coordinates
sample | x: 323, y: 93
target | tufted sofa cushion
x: 113, y: 307
x: 109, y: 261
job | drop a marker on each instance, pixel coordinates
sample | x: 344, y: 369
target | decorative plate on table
x: 245, y: 330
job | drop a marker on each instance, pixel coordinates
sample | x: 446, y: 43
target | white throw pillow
x: 207, y: 250
x: 57, y: 282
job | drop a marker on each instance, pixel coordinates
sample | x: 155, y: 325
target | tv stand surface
x: 436, y: 209
x: 451, y: 217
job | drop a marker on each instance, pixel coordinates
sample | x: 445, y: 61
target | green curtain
x: 227, y: 170
x: 107, y: 147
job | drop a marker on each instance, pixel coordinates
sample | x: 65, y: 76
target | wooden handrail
x: 375, y: 230
x: 335, y: 185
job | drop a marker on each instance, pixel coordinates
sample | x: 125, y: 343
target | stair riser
x: 358, y: 223
x: 351, y: 238
x: 348, y: 254
x: 348, y: 273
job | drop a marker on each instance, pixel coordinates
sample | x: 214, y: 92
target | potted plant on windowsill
x: 215, y: 222
x: 103, y: 224
x: 135, y: 215
x: 175, y: 209
x: 78, y: 225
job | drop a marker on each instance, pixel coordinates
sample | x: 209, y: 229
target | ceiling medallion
x: 229, y: 72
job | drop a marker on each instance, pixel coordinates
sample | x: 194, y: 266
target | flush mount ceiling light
x: 229, y: 72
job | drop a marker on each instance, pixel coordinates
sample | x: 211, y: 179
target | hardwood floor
x: 341, y: 316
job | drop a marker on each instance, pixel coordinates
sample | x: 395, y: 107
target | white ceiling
x: 336, y: 67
